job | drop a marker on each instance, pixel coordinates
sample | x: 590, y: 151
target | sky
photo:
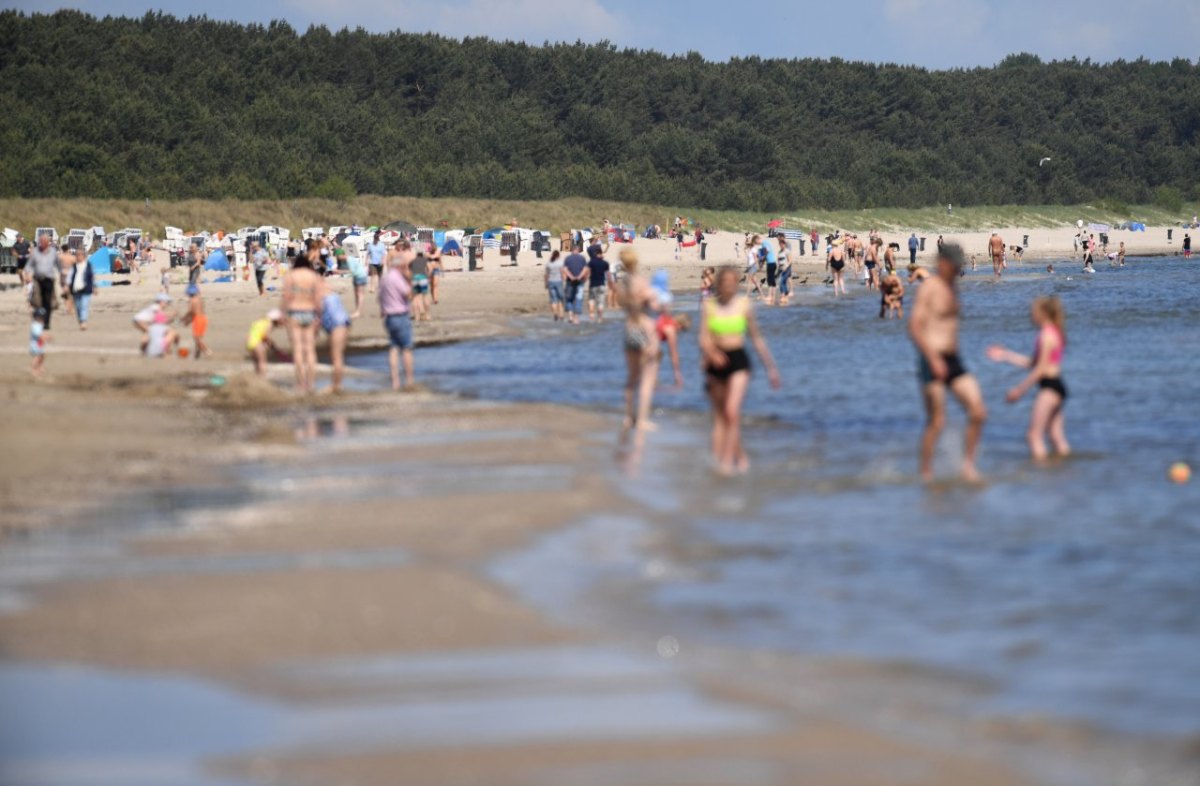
x: 929, y: 33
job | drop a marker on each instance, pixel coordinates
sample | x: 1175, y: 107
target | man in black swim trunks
x: 933, y: 328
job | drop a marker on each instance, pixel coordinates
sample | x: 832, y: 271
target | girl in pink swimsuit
x: 1045, y: 371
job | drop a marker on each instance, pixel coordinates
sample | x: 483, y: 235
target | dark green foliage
x: 1168, y: 198
x: 170, y: 108
x: 335, y: 187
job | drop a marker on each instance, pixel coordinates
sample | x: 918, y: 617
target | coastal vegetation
x: 165, y: 108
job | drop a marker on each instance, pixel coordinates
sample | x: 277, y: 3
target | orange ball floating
x: 1179, y: 472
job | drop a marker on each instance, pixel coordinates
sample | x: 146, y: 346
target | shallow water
x: 1073, y: 590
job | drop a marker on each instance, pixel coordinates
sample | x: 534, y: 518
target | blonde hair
x: 629, y: 259
x: 1052, y: 309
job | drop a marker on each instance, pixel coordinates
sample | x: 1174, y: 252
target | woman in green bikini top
x: 725, y: 321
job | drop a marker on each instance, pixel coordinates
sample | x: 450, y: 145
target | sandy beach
x: 330, y: 557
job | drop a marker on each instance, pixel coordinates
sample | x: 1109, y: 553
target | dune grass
x: 556, y: 216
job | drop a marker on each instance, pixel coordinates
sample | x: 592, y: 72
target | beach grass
x: 555, y: 216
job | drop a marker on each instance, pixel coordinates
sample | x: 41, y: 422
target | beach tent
x: 217, y: 260
x: 102, y: 260
x: 452, y: 248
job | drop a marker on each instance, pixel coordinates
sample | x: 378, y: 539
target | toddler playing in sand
x: 259, y: 339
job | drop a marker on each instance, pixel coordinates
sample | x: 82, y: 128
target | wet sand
x: 236, y: 548
x: 391, y: 569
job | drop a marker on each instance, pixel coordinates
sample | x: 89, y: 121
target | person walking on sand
x: 640, y: 304
x: 198, y: 320
x: 436, y: 267
x: 66, y: 261
x: 913, y: 245
x: 260, y: 259
x: 419, y: 277
x: 1045, y: 371
x: 996, y: 250
x: 303, y: 290
x: 376, y: 253
x: 44, y: 267
x: 836, y: 262
x: 554, y: 284
x: 574, y: 273
x: 725, y: 322
x: 81, y: 284
x: 395, y: 305
x: 360, y: 277
x: 933, y: 328
x: 336, y: 324
x: 20, y: 250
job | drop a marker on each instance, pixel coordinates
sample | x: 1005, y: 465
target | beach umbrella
x: 404, y: 227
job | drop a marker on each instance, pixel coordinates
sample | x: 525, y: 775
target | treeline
x: 161, y: 107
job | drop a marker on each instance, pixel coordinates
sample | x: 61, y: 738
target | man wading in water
x: 933, y: 328
x: 996, y: 246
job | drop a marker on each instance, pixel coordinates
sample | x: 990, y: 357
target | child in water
x: 1045, y: 371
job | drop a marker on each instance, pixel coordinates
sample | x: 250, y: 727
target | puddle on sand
x: 24, y: 568
x: 72, y: 726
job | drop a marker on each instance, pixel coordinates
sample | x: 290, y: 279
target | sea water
x: 1073, y: 589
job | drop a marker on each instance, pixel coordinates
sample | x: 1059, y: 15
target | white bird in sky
x: 1043, y: 161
